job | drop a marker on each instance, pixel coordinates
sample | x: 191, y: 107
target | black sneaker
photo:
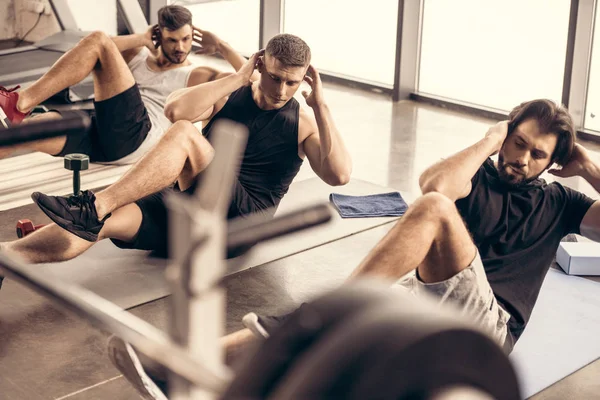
x: 76, y: 214
x: 263, y: 326
x: 125, y: 359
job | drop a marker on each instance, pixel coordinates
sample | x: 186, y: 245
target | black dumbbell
x: 76, y: 162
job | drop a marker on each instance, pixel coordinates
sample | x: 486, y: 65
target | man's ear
x: 260, y: 64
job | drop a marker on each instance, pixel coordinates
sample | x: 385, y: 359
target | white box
x: 579, y: 258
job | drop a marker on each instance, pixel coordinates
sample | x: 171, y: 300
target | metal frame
x: 581, y: 60
x: 63, y: 15
x: 408, y: 48
x: 271, y: 20
x: 153, y: 7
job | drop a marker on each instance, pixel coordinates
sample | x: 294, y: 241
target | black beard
x: 513, y: 180
x: 174, y: 61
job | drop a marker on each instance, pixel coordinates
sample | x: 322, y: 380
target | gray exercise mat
x: 562, y: 335
x: 128, y: 278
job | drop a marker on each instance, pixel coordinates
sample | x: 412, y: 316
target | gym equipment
x: 142, y: 335
x: 72, y: 123
x: 25, y: 227
x: 365, y: 341
x: 331, y: 342
x: 76, y: 162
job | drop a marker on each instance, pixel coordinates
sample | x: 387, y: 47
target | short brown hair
x: 553, y: 119
x: 174, y: 17
x: 289, y: 50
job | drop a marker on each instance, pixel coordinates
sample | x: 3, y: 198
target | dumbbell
x: 76, y: 162
x: 25, y: 227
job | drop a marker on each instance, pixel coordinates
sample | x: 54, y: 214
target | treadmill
x: 24, y: 65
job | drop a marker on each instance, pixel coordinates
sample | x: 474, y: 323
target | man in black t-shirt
x: 484, y: 234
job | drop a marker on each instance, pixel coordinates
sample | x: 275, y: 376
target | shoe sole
x: 63, y: 223
x: 4, y: 119
x: 123, y: 357
x: 250, y: 321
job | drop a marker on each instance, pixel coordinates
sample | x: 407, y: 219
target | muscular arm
x: 233, y: 57
x: 210, y: 43
x: 590, y: 225
x: 324, y: 147
x: 452, y: 176
x: 195, y: 103
x: 202, y: 75
x: 582, y: 164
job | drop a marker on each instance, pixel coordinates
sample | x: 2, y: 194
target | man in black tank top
x: 281, y: 134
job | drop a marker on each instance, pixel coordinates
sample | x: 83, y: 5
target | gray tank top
x: 155, y: 87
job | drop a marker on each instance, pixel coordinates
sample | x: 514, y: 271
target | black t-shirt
x: 517, y: 231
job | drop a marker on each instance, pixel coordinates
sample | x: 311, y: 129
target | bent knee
x: 98, y: 37
x: 185, y: 134
x: 435, y: 205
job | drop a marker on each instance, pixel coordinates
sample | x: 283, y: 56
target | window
x: 592, y: 110
x: 494, y: 53
x: 235, y: 21
x: 356, y: 39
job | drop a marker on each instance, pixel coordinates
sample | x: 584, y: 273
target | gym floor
x: 47, y: 354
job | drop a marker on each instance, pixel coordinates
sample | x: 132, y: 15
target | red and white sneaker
x: 9, y: 115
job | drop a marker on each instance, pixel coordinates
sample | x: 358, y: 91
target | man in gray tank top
x: 132, y: 211
x: 133, y: 75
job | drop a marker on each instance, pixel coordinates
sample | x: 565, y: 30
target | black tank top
x: 271, y: 159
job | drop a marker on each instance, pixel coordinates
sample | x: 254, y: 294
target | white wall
x: 25, y: 20
x: 94, y: 15
x: 7, y: 19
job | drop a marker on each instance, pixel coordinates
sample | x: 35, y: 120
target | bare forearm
x: 189, y: 103
x: 128, y: 42
x: 450, y: 176
x: 233, y: 57
x: 592, y: 174
x: 335, y: 159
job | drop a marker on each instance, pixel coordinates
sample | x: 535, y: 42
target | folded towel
x: 375, y: 205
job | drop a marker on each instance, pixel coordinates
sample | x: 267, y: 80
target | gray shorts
x: 471, y: 292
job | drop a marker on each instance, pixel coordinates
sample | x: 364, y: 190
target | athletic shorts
x: 153, y: 232
x: 119, y: 126
x: 472, y: 293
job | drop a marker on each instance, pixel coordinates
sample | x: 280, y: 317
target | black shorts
x: 153, y: 232
x: 119, y: 126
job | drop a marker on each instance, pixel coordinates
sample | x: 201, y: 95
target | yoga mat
x: 562, y: 335
x: 128, y: 278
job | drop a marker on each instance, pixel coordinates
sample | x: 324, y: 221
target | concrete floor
x: 45, y: 354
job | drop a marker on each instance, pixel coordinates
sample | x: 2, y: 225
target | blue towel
x: 375, y: 205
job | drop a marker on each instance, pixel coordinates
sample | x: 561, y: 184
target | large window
x: 494, y: 53
x: 592, y: 110
x: 235, y: 21
x: 356, y: 39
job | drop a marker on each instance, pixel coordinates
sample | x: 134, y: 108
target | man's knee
x: 434, y: 206
x: 185, y: 135
x: 101, y: 42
